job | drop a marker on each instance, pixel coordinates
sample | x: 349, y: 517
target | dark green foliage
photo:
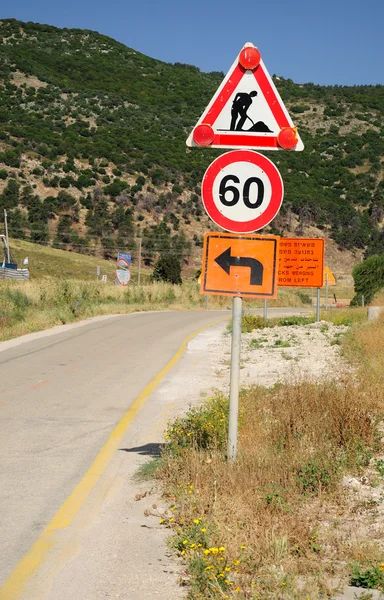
x: 64, y: 230
x: 167, y: 268
x: 17, y: 224
x: 368, y: 277
x: 10, y: 196
x: 369, y: 577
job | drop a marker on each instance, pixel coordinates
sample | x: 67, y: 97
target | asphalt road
x: 60, y: 398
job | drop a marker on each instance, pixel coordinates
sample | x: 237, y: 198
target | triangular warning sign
x: 246, y: 111
x: 330, y: 276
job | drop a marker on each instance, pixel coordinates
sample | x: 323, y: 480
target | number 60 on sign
x: 242, y: 191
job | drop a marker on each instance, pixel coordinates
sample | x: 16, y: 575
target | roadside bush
x: 203, y: 427
x: 14, y: 305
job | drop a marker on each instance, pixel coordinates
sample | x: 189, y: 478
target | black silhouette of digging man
x: 240, y: 106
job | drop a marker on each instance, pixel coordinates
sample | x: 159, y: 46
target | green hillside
x: 93, y: 155
x: 51, y: 263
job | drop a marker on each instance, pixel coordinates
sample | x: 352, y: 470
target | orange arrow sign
x: 240, y: 265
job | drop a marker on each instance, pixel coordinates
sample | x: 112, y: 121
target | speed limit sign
x: 242, y: 191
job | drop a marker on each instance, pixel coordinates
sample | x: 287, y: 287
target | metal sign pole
x: 265, y: 309
x: 326, y: 291
x: 235, y: 378
x: 318, y: 306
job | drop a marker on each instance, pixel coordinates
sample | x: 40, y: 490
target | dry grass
x: 378, y: 300
x: 35, y: 305
x: 280, y: 512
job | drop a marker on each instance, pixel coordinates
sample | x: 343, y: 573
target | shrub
x: 167, y: 268
x: 203, y: 427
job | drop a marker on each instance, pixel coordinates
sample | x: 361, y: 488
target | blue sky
x: 326, y: 42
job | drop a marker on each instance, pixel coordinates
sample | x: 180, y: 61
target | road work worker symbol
x: 239, y: 116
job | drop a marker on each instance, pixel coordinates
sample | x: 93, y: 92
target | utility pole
x: 6, y: 236
x: 139, y: 261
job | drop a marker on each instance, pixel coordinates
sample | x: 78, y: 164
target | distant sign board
x: 301, y: 262
x: 123, y: 269
x: 329, y: 276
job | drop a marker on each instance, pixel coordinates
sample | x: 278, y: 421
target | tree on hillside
x: 167, y: 268
x: 10, y: 196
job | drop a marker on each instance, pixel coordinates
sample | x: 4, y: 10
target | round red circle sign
x: 242, y: 191
x: 123, y: 271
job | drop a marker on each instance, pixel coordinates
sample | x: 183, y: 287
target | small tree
x: 369, y: 279
x: 167, y: 268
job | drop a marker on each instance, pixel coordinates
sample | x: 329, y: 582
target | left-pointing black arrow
x: 226, y: 261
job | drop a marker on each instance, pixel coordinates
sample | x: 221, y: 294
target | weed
x: 202, y: 427
x: 257, y: 343
x: 370, y: 577
x: 14, y: 305
x: 379, y: 465
x: 250, y: 322
x: 286, y: 356
x: 336, y: 341
x: 316, y: 475
x: 148, y: 470
x: 295, y: 320
x: 282, y: 344
x: 276, y: 499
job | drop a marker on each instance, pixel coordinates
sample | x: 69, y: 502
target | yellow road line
x: 13, y: 587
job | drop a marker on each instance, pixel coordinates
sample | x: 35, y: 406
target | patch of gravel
x: 281, y: 354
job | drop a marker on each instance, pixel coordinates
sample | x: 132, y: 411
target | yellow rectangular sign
x: 242, y: 265
x: 301, y: 262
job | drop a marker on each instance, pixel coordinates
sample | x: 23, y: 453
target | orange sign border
x: 236, y: 236
x: 321, y: 241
